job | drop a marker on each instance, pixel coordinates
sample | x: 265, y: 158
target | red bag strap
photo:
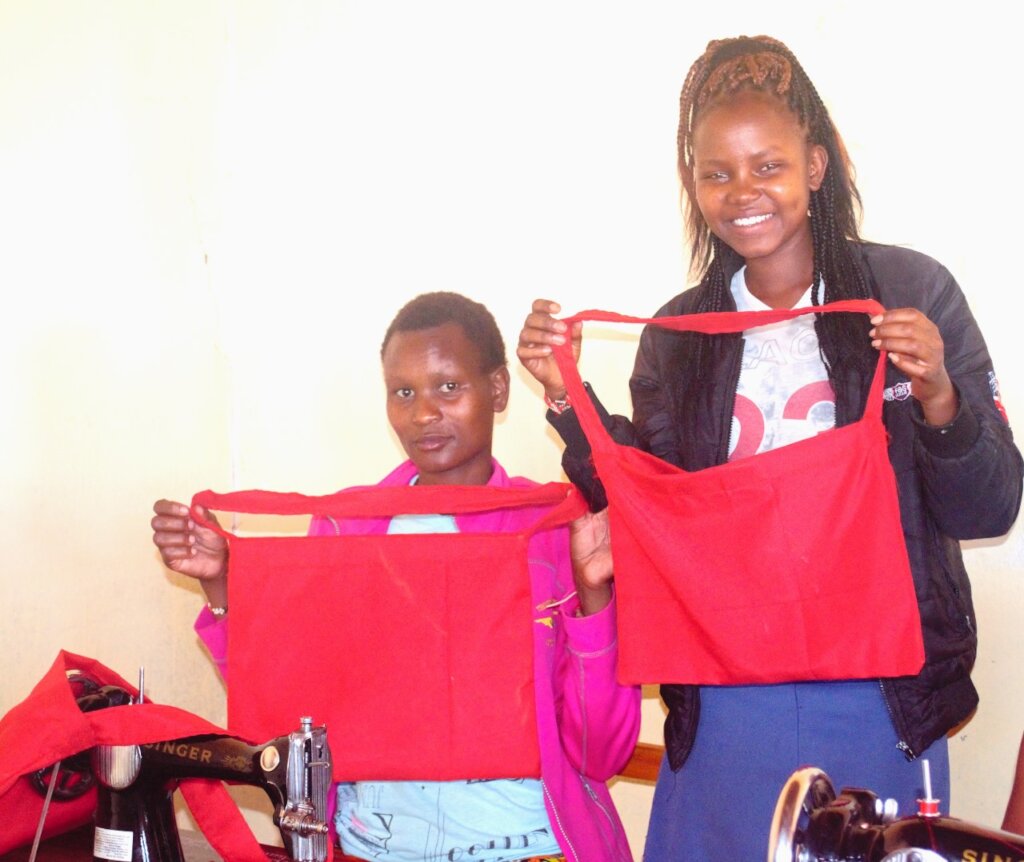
x: 710, y: 323
x: 221, y: 822
x: 565, y: 501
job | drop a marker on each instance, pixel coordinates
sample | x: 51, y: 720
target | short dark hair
x: 440, y: 307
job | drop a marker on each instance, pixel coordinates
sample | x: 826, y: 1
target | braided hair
x: 731, y: 66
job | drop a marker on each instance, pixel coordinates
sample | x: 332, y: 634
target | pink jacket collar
x: 497, y: 521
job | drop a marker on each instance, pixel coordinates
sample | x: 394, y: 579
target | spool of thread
x: 927, y: 807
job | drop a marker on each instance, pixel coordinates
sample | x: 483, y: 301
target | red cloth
x: 787, y: 565
x: 48, y: 726
x: 382, y: 637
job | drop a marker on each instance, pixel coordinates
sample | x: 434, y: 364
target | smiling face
x: 754, y: 171
x: 442, y: 403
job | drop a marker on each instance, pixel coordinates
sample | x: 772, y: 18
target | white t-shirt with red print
x: 783, y: 394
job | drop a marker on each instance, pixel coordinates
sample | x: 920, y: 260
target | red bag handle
x: 222, y: 823
x: 710, y: 323
x: 362, y: 502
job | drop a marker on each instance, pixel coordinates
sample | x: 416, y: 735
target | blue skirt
x: 750, y: 739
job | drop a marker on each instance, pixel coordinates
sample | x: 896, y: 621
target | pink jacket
x: 587, y: 723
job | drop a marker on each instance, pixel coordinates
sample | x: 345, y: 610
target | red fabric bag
x: 49, y: 726
x: 416, y: 651
x: 787, y: 565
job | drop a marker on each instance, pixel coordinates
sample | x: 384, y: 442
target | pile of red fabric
x: 48, y: 726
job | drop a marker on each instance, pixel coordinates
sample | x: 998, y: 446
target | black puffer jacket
x: 962, y: 481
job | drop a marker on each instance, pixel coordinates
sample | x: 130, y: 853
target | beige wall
x: 211, y: 210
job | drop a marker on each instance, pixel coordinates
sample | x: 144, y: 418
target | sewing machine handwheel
x: 74, y: 779
x: 806, y: 790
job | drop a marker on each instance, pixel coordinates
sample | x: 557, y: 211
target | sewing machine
x: 812, y: 824
x: 135, y: 784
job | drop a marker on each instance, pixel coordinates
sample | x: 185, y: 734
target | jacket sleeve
x: 577, y: 462
x: 213, y: 632
x: 599, y: 719
x: 971, y: 470
x: 652, y: 429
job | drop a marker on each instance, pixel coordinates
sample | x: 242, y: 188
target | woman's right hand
x: 539, y: 332
x: 190, y: 549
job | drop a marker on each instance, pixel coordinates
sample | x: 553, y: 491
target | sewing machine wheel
x: 74, y: 776
x: 74, y: 779
x: 806, y: 790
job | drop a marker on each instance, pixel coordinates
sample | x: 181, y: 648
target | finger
x: 899, y: 329
x: 912, y: 367
x: 162, y: 524
x: 209, y: 540
x: 897, y: 315
x: 165, y: 539
x: 908, y: 324
x: 543, y: 323
x: 900, y: 321
x: 915, y: 371
x: 533, y: 350
x: 206, y: 515
x: 910, y: 349
x: 170, y: 507
x: 189, y: 567
x: 204, y: 532
x: 541, y: 333
x: 546, y: 306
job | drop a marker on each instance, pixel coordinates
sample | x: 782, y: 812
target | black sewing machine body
x: 812, y: 824
x: 135, y: 821
x: 135, y: 815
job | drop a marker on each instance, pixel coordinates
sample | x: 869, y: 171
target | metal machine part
x: 135, y: 815
x: 806, y: 790
x: 813, y: 824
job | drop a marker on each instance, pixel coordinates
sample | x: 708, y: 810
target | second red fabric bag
x: 783, y: 566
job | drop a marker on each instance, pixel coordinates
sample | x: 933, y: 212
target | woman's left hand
x: 590, y: 544
x: 915, y: 348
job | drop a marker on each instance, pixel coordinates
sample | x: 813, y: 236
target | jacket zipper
x: 594, y: 798
x: 558, y: 823
x: 730, y: 405
x: 902, y: 745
